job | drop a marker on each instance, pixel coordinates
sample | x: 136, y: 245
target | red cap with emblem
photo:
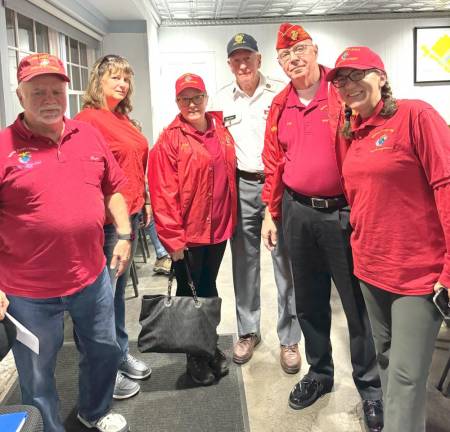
x: 189, y: 80
x: 358, y: 57
x: 290, y: 34
x: 40, y: 64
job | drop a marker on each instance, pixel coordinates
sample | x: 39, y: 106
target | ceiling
x: 172, y: 10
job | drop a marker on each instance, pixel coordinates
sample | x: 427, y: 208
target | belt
x: 251, y: 176
x: 337, y: 202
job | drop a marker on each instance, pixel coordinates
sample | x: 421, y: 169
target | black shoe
x: 373, y: 415
x: 199, y: 370
x: 219, y: 364
x: 307, y: 391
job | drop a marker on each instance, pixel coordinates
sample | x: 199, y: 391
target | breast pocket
x: 94, y: 169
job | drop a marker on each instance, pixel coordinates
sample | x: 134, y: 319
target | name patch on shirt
x: 229, y: 118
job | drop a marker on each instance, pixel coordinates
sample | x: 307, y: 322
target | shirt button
x: 208, y: 219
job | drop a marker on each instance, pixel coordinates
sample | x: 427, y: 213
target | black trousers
x: 204, y: 263
x: 319, y: 246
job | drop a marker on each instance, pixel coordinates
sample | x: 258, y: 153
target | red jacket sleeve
x: 164, y: 193
x: 442, y: 197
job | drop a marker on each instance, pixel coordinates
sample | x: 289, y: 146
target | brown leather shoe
x: 290, y: 358
x: 244, y: 347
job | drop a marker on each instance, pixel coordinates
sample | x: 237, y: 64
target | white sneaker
x: 110, y: 422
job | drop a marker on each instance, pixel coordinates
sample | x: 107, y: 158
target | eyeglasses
x: 297, y: 50
x: 196, y: 100
x: 355, y: 75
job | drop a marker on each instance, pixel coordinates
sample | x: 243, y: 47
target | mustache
x: 50, y: 108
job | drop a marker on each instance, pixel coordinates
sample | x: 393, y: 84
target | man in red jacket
x: 303, y: 188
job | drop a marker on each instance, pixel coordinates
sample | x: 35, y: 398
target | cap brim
x: 245, y: 48
x: 34, y: 75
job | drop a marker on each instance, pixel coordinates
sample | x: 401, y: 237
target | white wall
x: 133, y: 46
x: 392, y: 39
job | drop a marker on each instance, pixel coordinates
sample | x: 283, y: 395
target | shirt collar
x: 20, y: 128
x: 263, y: 85
x: 374, y: 120
x: 293, y: 99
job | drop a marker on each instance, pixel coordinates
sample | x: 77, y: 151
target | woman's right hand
x: 177, y: 255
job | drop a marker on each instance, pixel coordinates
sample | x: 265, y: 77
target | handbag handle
x: 189, y: 280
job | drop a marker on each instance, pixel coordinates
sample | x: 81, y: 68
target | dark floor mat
x: 168, y: 401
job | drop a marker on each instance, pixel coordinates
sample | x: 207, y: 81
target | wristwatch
x: 125, y: 236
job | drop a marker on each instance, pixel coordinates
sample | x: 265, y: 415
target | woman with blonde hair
x: 107, y: 104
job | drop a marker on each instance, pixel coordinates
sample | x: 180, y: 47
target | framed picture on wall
x: 431, y: 54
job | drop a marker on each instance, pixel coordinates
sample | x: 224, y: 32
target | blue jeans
x: 119, y: 284
x: 91, y: 310
x: 159, y: 248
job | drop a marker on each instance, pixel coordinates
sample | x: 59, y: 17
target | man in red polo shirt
x: 56, y: 178
x: 303, y: 187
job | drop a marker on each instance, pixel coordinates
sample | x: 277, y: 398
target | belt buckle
x: 319, y: 203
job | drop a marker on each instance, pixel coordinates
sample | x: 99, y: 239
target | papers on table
x: 25, y: 336
x: 12, y: 422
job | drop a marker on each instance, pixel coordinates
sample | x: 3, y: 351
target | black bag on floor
x: 173, y: 324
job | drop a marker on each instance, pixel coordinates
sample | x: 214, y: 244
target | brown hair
x: 389, y: 109
x: 109, y: 64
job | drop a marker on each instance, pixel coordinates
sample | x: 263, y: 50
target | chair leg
x: 134, y: 278
x: 443, y: 378
x: 145, y: 242
x: 141, y: 246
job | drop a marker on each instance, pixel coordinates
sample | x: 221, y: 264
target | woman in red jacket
x: 396, y: 175
x: 107, y: 103
x: 192, y: 182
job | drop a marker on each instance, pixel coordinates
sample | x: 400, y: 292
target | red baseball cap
x: 359, y: 57
x: 290, y: 34
x: 189, y: 80
x: 40, y: 64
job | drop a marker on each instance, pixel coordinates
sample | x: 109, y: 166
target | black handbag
x: 172, y: 324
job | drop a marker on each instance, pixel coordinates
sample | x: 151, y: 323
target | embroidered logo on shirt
x: 380, y: 137
x: 380, y: 141
x: 25, y: 157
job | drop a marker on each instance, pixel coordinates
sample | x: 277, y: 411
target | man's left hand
x: 147, y: 214
x: 121, y: 256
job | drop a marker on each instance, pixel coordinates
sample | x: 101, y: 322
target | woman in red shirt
x: 107, y: 103
x: 396, y: 175
x: 192, y: 181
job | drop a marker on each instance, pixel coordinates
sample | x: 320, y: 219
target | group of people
x: 324, y: 170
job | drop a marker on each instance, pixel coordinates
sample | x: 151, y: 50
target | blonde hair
x: 109, y: 64
x: 389, y: 109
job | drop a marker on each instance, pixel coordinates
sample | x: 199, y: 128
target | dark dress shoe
x: 219, y: 364
x: 198, y: 369
x: 307, y: 391
x: 373, y: 415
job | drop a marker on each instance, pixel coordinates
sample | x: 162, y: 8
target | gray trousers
x: 404, y: 329
x: 245, y: 249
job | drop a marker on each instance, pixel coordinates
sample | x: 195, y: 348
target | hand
x: 438, y: 286
x: 147, y: 214
x: 3, y: 304
x: 269, y: 232
x: 121, y: 256
x: 177, y: 255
